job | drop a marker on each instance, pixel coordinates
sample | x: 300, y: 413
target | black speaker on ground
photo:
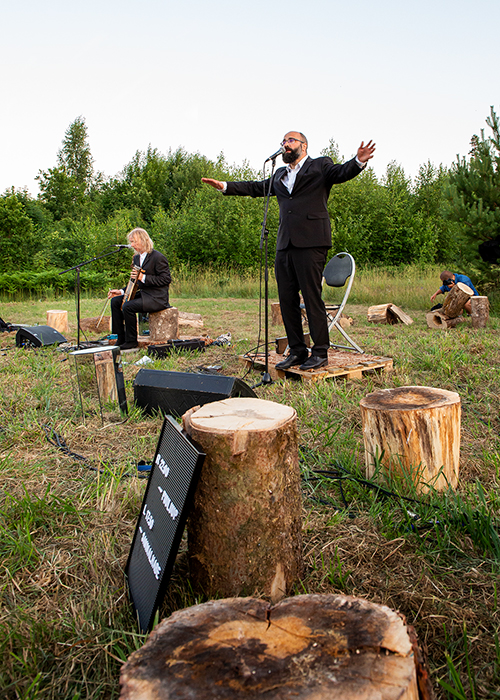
x: 175, y: 393
x: 36, y: 336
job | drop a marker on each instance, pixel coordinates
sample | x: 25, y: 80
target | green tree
x: 17, y: 233
x: 473, y: 201
x: 66, y: 189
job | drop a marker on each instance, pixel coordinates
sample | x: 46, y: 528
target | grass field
x: 66, y: 524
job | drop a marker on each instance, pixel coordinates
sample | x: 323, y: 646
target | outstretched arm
x: 216, y: 184
x: 366, y: 152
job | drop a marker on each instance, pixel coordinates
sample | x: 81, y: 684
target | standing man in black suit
x: 152, y: 289
x: 304, y: 237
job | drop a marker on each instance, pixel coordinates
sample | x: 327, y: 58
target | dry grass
x: 65, y: 530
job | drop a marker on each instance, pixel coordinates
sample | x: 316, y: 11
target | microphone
x: 123, y: 246
x: 275, y: 155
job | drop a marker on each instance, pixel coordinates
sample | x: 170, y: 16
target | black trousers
x: 124, y: 321
x: 301, y: 270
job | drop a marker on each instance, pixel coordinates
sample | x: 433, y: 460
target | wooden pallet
x: 341, y: 365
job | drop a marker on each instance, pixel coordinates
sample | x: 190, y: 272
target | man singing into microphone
x: 302, y: 188
x: 152, y: 289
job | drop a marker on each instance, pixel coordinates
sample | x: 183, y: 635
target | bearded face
x: 292, y: 154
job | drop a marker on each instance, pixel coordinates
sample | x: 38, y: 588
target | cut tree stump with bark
x: 480, y: 311
x: 276, y: 317
x: 164, y: 325
x: 309, y: 647
x: 189, y: 319
x: 456, y: 299
x: 59, y: 320
x: 436, y: 319
x: 414, y: 431
x: 388, y: 313
x: 244, y: 527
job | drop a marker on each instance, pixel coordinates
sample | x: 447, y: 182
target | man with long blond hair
x: 153, y: 280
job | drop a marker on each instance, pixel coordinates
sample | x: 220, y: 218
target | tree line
x: 447, y: 216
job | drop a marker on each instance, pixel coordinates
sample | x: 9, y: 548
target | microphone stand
x: 77, y: 268
x: 266, y: 377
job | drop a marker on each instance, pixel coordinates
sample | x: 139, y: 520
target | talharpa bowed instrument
x: 131, y: 288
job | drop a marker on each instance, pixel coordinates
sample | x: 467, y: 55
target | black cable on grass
x: 59, y: 442
x: 462, y: 519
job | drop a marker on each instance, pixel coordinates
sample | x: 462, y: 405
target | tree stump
x: 456, y: 299
x: 192, y: 320
x: 310, y: 647
x: 480, y: 311
x: 244, y: 527
x: 388, y: 313
x: 276, y: 317
x: 59, y: 320
x: 415, y: 432
x: 164, y: 325
x: 436, y: 319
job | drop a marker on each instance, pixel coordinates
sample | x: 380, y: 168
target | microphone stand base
x: 266, y: 379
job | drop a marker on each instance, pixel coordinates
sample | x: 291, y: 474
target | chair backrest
x: 339, y: 269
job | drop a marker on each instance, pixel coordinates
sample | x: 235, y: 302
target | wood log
x: 345, y: 321
x: 281, y: 344
x: 244, y: 528
x: 276, y: 318
x: 436, y: 319
x: 58, y: 319
x: 164, y: 325
x: 456, y: 299
x: 414, y: 432
x: 192, y: 320
x: 480, y: 311
x: 309, y: 647
x: 388, y: 313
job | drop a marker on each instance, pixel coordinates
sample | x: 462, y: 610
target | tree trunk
x: 192, y: 320
x: 414, y: 432
x: 388, y: 313
x: 164, y: 325
x: 244, y: 528
x: 436, y: 319
x: 480, y: 311
x: 310, y: 647
x: 456, y: 299
x: 276, y: 318
x: 58, y: 320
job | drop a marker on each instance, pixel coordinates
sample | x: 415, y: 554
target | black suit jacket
x: 304, y: 220
x: 154, y: 292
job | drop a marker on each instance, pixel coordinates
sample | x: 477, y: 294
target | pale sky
x: 417, y: 78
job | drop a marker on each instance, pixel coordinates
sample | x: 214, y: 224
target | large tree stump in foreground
x: 456, y: 299
x: 314, y: 647
x: 480, y: 311
x: 414, y: 431
x: 244, y: 527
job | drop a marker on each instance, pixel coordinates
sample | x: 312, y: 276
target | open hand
x: 217, y: 184
x: 366, y: 152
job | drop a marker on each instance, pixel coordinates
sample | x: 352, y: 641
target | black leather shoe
x: 291, y: 361
x: 129, y: 346
x: 314, y: 362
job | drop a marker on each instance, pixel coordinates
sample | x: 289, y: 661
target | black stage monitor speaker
x: 36, y: 336
x: 175, y: 393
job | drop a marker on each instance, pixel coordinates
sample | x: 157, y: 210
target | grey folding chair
x: 339, y: 271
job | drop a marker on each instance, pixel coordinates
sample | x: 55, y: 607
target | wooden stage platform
x: 341, y: 365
